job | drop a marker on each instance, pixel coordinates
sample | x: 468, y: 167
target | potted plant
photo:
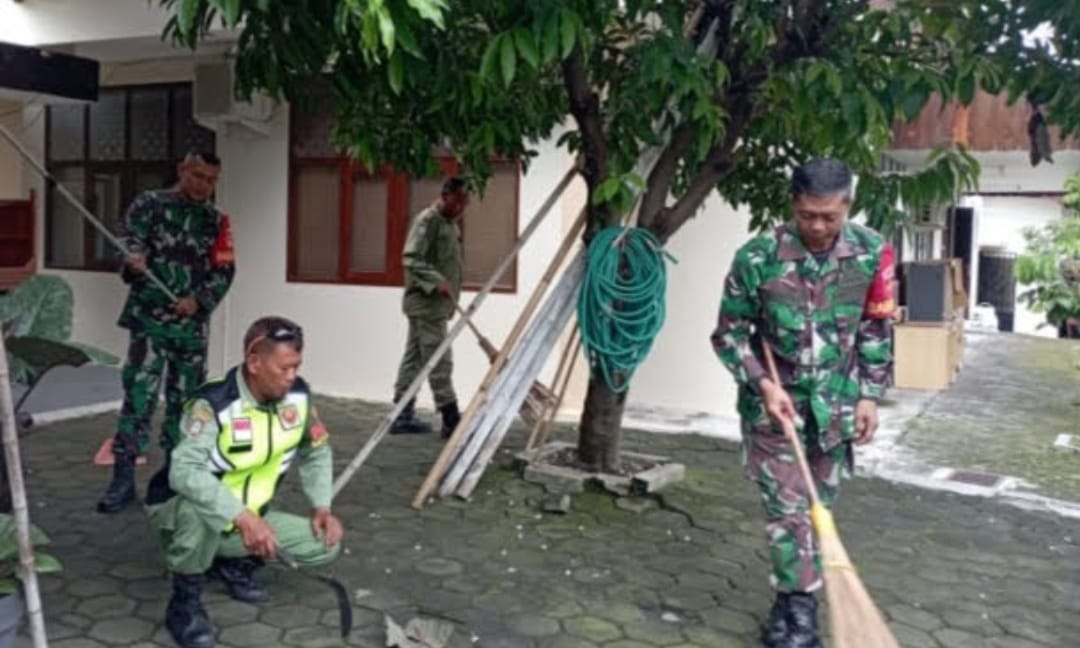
x: 11, y: 602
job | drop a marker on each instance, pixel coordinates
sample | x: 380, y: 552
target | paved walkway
x: 688, y: 569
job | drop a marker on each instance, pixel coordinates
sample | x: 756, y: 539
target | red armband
x: 222, y: 253
x: 880, y: 302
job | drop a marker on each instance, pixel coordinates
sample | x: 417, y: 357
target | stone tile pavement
x: 687, y: 569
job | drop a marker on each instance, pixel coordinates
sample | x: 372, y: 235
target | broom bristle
x: 854, y: 619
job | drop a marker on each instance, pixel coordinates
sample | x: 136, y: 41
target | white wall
x: 682, y: 372
x: 354, y: 334
x: 1000, y: 221
x: 47, y: 22
x: 10, y: 167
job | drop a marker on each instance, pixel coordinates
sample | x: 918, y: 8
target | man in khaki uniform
x: 211, y: 505
x: 433, y: 272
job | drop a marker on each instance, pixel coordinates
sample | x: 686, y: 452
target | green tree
x: 1051, y: 262
x: 787, y: 79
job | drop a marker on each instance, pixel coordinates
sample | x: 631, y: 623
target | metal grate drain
x: 975, y: 478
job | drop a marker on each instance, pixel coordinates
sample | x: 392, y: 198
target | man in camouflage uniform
x: 433, y: 273
x: 179, y: 236
x: 802, y: 290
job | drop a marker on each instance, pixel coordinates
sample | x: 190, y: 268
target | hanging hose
x: 621, y: 305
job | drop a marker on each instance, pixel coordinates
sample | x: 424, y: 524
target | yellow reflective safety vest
x: 256, y: 443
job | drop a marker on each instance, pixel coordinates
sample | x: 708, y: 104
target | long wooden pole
x: 557, y: 381
x: 437, y: 469
x: 13, y: 461
x: 513, y: 382
x: 531, y: 362
x: 455, y: 330
x: 545, y: 430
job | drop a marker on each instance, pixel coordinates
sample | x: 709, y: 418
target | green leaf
x: 41, y: 354
x: 966, y: 89
x: 431, y: 10
x: 607, y: 190
x: 39, y: 306
x: 526, y: 46
x: 508, y: 59
x: 407, y: 39
x: 386, y: 28
x: 188, y: 14
x: 488, y: 62
x: 8, y: 586
x: 46, y: 564
x: 396, y: 72
x: 550, y: 43
x: 230, y: 9
x: 567, y: 31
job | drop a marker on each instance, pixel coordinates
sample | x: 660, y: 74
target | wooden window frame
x: 397, y: 210
x: 127, y: 168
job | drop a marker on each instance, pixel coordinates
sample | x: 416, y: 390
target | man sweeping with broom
x: 811, y: 292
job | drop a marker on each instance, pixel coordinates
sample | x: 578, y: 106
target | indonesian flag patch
x: 222, y: 253
x: 318, y: 432
x: 241, y: 431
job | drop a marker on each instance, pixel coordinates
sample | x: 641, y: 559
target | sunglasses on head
x: 281, y: 334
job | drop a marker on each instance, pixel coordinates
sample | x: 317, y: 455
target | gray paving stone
x: 625, y: 569
x: 289, y: 616
x: 122, y: 631
x: 251, y: 634
x: 530, y: 625
x: 592, y: 628
x: 914, y: 617
x: 312, y: 637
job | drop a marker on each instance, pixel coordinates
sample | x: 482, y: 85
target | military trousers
x: 770, y: 463
x: 425, y: 335
x: 149, y: 360
x: 190, y: 544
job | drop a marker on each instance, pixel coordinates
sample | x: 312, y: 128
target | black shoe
x: 238, y: 576
x: 407, y: 423
x: 802, y: 621
x: 450, y: 419
x: 185, y: 617
x: 775, y: 632
x: 121, y: 490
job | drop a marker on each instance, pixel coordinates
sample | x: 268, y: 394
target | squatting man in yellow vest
x: 240, y: 435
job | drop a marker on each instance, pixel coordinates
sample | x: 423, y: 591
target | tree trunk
x: 600, y: 429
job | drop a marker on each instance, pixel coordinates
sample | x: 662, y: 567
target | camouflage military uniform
x: 432, y: 255
x: 829, y: 356
x: 188, y: 246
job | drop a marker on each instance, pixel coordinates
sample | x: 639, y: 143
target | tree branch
x: 658, y: 184
x: 585, y: 107
x: 717, y: 164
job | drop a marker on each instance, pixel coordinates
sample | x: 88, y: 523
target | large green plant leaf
x: 30, y: 356
x: 9, y: 537
x: 38, y: 307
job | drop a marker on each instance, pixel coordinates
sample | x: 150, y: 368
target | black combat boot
x: 238, y: 576
x: 407, y: 423
x: 185, y: 617
x: 775, y: 633
x: 121, y: 490
x: 802, y: 621
x: 450, y: 419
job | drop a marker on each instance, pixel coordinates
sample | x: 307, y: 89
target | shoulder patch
x: 199, y: 416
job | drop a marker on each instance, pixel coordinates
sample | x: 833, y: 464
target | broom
x: 538, y: 401
x: 853, y: 618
